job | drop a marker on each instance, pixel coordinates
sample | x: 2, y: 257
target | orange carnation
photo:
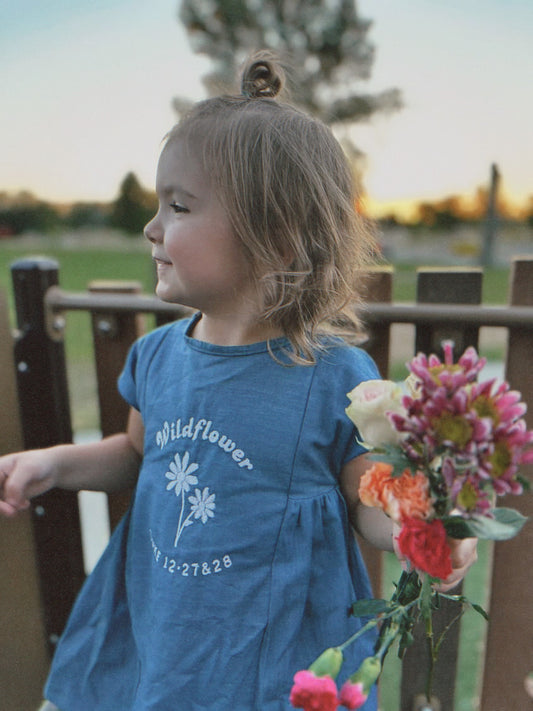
x: 401, y: 497
x: 412, y: 494
x: 374, y: 484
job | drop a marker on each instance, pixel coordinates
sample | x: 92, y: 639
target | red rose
x: 424, y: 544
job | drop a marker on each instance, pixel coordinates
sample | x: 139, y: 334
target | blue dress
x: 236, y: 565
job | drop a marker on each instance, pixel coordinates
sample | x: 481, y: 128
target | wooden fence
x: 41, y: 561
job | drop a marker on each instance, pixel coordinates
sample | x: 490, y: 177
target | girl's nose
x: 152, y: 231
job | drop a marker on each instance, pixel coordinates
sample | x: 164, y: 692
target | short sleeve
x: 127, y: 381
x: 359, y: 368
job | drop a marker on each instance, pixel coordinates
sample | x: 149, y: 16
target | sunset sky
x: 86, y: 90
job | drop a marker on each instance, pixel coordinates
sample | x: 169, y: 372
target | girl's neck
x: 232, y: 331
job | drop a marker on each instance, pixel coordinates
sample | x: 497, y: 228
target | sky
x: 86, y: 88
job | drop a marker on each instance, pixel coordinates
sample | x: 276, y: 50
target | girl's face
x: 200, y: 262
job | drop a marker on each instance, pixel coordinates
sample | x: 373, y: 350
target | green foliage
x: 505, y: 524
x: 35, y: 217
x: 85, y: 214
x: 134, y: 206
x: 324, y: 42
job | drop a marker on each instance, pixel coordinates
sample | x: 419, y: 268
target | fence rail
x: 42, y: 551
x: 58, y: 301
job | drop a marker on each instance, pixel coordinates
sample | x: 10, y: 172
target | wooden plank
x: 379, y: 290
x: 113, y: 334
x: 509, y: 655
x: 455, y: 285
x: 24, y: 657
x: 459, y: 286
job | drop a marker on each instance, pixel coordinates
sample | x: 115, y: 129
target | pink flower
x: 314, y: 693
x: 468, y: 497
x: 352, y: 695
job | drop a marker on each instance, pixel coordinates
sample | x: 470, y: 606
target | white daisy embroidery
x: 181, y: 474
x: 202, y: 504
x: 180, y: 479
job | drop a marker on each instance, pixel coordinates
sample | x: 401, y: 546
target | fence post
x: 509, y: 655
x: 113, y: 334
x: 379, y: 290
x: 24, y: 655
x: 45, y: 418
x: 457, y: 286
x: 454, y: 285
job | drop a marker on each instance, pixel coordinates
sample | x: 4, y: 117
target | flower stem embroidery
x: 181, y: 477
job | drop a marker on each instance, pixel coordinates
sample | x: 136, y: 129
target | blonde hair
x: 291, y: 199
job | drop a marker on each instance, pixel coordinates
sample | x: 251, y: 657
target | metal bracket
x: 106, y: 325
x: 55, y: 324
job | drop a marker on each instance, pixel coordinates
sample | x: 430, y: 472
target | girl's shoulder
x: 340, y: 368
x: 340, y: 356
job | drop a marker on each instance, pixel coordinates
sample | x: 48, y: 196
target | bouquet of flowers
x: 444, y: 447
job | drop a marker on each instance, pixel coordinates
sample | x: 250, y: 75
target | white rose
x: 370, y: 403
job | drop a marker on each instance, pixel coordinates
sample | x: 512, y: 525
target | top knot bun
x: 262, y: 76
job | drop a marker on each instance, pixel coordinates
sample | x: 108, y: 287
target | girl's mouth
x: 161, y: 262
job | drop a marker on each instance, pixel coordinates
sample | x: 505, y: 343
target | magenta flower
x: 352, y: 695
x: 468, y: 497
x: 314, y: 693
x: 472, y: 434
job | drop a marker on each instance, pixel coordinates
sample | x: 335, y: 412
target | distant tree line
x: 450, y: 212
x: 133, y: 207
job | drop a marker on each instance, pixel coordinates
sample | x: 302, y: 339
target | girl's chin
x: 169, y: 294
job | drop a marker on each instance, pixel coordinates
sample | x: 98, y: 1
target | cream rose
x: 370, y: 403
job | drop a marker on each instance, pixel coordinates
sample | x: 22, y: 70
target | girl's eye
x: 178, y: 208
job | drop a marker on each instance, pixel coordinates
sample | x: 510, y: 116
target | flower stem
x: 432, y: 659
x: 180, y: 527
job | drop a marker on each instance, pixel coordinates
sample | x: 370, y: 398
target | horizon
x: 85, y: 105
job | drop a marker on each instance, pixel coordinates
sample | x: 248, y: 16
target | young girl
x: 236, y: 564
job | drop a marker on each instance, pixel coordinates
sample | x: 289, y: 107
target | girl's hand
x: 463, y: 555
x: 22, y: 476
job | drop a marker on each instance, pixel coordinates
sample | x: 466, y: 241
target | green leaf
x: 406, y: 640
x: 366, y: 608
x: 458, y: 527
x: 390, y: 454
x: 505, y: 524
x: 479, y: 609
x: 526, y: 483
x: 463, y: 600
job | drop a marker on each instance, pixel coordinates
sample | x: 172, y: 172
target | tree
x: 325, y: 43
x: 26, y: 213
x: 134, y: 206
x: 87, y: 214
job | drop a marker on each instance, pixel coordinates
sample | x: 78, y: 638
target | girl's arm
x: 108, y: 465
x: 379, y: 530
x: 371, y: 523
